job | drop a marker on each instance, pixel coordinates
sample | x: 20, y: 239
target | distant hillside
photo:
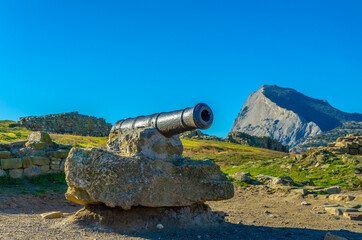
x: 239, y: 138
x: 254, y: 141
x: 288, y: 116
x: 330, y: 136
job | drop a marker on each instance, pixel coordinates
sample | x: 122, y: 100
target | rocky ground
x: 254, y: 213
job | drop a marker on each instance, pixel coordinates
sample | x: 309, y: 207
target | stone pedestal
x: 97, y: 176
x: 145, y: 142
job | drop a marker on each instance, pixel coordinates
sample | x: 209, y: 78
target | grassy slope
x: 8, y: 133
x: 226, y: 154
x: 11, y: 134
x: 231, y: 158
x: 337, y: 173
x: 79, y: 141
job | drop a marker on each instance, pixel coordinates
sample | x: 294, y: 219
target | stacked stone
x: 70, y: 123
x: 38, y: 155
x: 351, y: 144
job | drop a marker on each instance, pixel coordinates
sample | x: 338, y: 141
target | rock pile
x: 70, y: 123
x: 142, y: 168
x: 344, y: 205
x: 351, y: 144
x: 38, y: 155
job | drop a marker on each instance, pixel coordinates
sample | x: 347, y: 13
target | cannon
x: 171, y: 123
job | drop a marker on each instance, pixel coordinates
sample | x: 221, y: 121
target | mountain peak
x: 288, y: 115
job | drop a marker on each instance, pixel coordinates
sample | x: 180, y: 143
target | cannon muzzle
x: 171, y: 123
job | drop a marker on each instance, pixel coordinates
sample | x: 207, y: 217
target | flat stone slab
x: 339, y: 210
x: 341, y: 197
x: 96, y: 176
x: 50, y: 215
x: 353, y: 215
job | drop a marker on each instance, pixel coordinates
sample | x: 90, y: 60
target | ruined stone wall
x: 351, y: 144
x: 38, y: 155
x: 70, y: 123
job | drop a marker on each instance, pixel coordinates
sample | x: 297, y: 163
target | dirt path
x: 251, y: 214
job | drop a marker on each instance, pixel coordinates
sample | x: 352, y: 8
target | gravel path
x: 252, y: 214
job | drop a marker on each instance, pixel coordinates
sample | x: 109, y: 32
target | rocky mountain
x: 288, y: 116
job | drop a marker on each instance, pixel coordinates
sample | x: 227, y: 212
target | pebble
x: 159, y: 226
x: 50, y: 215
x: 304, y: 203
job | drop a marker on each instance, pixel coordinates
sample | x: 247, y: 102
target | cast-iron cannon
x: 171, y: 123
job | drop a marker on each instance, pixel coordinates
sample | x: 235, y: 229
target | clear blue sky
x: 118, y: 59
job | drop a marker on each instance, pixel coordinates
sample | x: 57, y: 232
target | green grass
x: 79, y: 141
x: 11, y: 133
x: 338, y: 173
x: 53, y: 182
x: 226, y: 154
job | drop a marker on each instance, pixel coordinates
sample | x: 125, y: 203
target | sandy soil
x: 253, y: 213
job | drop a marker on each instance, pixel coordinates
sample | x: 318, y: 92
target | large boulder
x: 39, y: 141
x: 96, y: 176
x: 40, y: 137
x: 147, y: 142
x: 275, y: 181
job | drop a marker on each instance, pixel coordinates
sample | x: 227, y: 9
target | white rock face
x: 260, y: 116
x: 288, y: 116
x: 96, y: 176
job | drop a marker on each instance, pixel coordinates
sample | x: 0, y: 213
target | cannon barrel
x: 171, y: 123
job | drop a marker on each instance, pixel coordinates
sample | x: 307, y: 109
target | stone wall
x: 38, y: 155
x: 70, y: 123
x: 255, y: 141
